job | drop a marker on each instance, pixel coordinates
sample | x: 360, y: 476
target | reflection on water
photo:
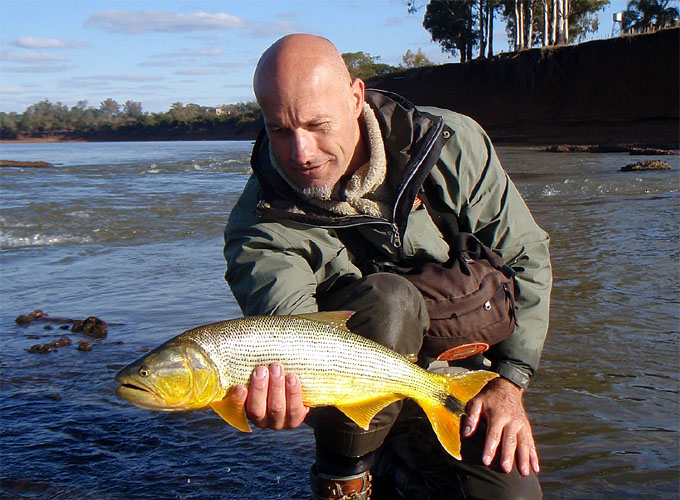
x: 132, y: 233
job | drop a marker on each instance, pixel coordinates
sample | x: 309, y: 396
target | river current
x: 132, y: 233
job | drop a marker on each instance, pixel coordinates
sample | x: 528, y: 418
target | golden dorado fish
x: 335, y: 367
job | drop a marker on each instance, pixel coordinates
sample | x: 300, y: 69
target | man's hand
x: 273, y: 400
x: 500, y: 404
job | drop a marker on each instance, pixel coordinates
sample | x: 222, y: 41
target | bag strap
x: 462, y: 244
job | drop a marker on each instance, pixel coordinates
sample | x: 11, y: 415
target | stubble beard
x: 323, y: 192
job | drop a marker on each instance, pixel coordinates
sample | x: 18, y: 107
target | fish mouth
x: 140, y: 396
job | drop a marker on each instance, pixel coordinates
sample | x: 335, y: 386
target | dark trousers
x: 400, y: 446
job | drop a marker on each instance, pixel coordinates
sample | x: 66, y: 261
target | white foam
x: 40, y: 240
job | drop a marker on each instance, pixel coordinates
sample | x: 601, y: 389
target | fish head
x: 175, y: 376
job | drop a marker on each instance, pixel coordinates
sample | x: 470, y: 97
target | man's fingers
x: 508, y: 447
x: 295, y: 410
x: 276, y: 400
x: 493, y: 438
x: 533, y: 457
x: 256, y: 404
x: 472, y: 413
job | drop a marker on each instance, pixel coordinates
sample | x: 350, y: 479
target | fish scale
x: 237, y: 346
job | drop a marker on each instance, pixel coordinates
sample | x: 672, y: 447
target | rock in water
x: 646, y: 165
x: 92, y: 326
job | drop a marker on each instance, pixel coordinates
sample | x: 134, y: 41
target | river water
x: 132, y: 233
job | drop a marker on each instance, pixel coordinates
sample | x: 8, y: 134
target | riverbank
x: 621, y: 90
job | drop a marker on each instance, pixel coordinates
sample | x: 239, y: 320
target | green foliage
x: 453, y: 24
x: 415, y: 60
x: 363, y: 65
x: 111, y: 120
x: 648, y: 15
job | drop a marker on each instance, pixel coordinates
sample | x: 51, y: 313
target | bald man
x: 337, y: 170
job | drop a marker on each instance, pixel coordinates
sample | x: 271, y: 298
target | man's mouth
x: 310, y: 169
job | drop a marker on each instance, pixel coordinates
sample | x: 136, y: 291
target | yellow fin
x: 232, y: 412
x: 465, y: 386
x: 338, y: 319
x: 446, y: 425
x: 445, y: 418
x: 362, y: 413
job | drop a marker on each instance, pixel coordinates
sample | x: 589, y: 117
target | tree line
x: 466, y: 27
x: 111, y: 120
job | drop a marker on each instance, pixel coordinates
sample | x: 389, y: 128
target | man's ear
x: 358, y: 88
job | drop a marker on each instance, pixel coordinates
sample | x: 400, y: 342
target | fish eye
x: 144, y: 372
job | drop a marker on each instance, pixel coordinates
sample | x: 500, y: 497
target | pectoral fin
x: 362, y: 413
x: 232, y: 411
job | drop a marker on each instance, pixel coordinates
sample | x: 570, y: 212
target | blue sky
x: 194, y: 51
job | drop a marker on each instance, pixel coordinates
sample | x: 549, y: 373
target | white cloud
x: 29, y: 42
x: 38, y: 69
x: 30, y: 57
x: 190, y: 53
x: 123, y: 77
x: 284, y: 26
x: 143, y: 21
x: 194, y: 71
x: 12, y: 90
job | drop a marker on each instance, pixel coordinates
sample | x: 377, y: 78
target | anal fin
x: 363, y: 412
x: 232, y: 411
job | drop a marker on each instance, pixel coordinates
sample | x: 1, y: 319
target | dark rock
x: 84, y: 346
x: 32, y: 316
x: 54, y: 397
x: 39, y: 349
x: 62, y: 342
x: 588, y: 148
x: 25, y: 164
x: 92, y: 326
x: 47, y: 327
x: 646, y: 165
x: 652, y: 151
x: 45, y: 348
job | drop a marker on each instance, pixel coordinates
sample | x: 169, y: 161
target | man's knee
x: 388, y: 309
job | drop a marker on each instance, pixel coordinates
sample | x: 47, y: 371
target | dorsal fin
x: 337, y: 319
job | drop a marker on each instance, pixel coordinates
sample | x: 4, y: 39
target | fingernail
x: 275, y: 370
x: 467, y: 430
x: 239, y: 391
x: 260, y: 372
x: 507, y: 466
x: 291, y: 381
x: 486, y: 459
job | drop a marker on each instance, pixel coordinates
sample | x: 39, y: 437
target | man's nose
x: 302, y: 147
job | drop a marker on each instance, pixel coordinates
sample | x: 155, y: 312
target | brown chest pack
x: 470, y: 298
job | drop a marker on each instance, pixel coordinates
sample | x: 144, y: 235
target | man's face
x: 313, y: 130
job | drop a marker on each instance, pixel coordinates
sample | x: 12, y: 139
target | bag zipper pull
x: 396, y: 238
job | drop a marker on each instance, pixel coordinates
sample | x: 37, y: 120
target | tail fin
x: 445, y: 418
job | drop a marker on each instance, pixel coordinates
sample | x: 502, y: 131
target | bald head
x: 295, y: 59
x: 311, y: 110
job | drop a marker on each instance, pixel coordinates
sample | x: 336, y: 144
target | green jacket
x: 281, y: 251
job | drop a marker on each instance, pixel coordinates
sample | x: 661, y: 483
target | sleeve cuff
x: 518, y: 376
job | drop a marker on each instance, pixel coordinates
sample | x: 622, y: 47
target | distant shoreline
x: 660, y: 134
